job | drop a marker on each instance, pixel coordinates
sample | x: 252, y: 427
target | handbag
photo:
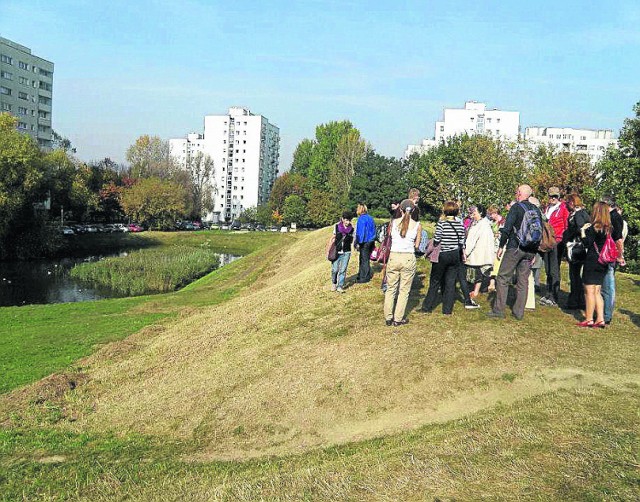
x: 609, y: 253
x: 332, y: 250
x: 432, y: 252
x: 374, y: 254
x: 576, y: 252
x: 385, y: 247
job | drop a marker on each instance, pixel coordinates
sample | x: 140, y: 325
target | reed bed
x: 148, y: 271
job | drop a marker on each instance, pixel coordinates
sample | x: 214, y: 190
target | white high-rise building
x: 593, y: 142
x: 474, y: 118
x: 245, y: 149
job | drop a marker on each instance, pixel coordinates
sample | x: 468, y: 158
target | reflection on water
x: 48, y: 281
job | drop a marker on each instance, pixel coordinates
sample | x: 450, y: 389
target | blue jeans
x: 608, y: 291
x: 339, y: 269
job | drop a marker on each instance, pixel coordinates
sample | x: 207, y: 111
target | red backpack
x: 609, y: 252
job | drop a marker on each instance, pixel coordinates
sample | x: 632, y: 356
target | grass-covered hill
x: 289, y: 391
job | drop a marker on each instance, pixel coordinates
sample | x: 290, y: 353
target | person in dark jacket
x: 364, y: 241
x: 578, y: 218
x: 515, y: 258
x: 343, y: 232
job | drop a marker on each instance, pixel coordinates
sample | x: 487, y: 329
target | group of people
x: 486, y: 251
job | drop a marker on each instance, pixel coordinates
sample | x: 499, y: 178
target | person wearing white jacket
x: 479, y: 247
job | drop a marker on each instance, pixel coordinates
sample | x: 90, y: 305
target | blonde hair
x: 362, y: 209
x: 600, y: 217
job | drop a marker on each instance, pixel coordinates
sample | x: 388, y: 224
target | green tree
x: 264, y: 215
x: 323, y: 156
x: 322, y: 209
x: 630, y: 134
x: 285, y: 185
x: 23, y: 176
x: 294, y: 210
x: 350, y: 151
x: 156, y: 202
x: 378, y: 180
x: 150, y: 156
x: 248, y: 215
x: 571, y: 172
x: 302, y: 157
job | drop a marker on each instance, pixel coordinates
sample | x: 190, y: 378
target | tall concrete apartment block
x: 245, y: 149
x: 474, y: 118
x: 592, y: 142
x: 26, y: 86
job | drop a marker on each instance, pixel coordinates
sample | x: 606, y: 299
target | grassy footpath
x: 288, y: 391
x: 38, y: 340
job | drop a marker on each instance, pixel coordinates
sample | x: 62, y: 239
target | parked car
x: 90, y: 229
x: 235, y: 225
x: 260, y: 227
x: 67, y: 231
x: 120, y: 227
x: 134, y: 227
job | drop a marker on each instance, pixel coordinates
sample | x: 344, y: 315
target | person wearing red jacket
x: 557, y: 214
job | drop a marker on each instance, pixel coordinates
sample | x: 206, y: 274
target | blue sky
x: 126, y: 68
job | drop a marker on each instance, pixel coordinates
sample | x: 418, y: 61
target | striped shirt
x: 449, y: 234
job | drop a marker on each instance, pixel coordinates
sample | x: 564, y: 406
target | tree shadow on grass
x: 635, y: 318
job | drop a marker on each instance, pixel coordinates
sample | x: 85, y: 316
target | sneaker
x: 340, y: 290
x: 551, y: 302
x: 495, y: 315
x: 333, y: 287
x: 389, y: 322
x: 400, y: 323
x: 470, y: 304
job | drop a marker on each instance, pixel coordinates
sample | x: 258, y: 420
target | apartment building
x: 26, y: 90
x: 474, y: 118
x: 245, y: 149
x: 592, y: 142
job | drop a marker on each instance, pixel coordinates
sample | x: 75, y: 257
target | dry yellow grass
x: 289, y: 366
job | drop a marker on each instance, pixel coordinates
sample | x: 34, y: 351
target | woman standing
x: 480, y: 247
x: 365, y: 240
x: 594, y: 236
x: 343, y: 232
x: 577, y: 219
x: 450, y: 236
x: 401, y: 267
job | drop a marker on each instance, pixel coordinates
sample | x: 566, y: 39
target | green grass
x: 147, y: 271
x: 38, y: 340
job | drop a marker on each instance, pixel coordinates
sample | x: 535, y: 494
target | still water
x: 48, y: 281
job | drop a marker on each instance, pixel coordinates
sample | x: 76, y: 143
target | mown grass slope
x: 462, y: 406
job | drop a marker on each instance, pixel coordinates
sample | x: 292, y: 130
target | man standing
x: 557, y: 215
x: 518, y: 255
x: 609, y: 285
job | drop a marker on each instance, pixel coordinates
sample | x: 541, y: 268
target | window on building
x: 497, y: 132
x: 43, y: 115
x: 23, y: 66
x: 23, y: 80
x: 441, y: 128
x: 6, y: 59
x: 488, y: 120
x: 22, y: 110
x: 6, y: 107
x: 244, y: 141
x: 22, y: 125
x: 44, y: 85
x: 5, y: 90
x: 45, y: 73
x: 6, y: 74
x: 44, y: 100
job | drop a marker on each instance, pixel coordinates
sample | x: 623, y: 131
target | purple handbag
x: 432, y: 252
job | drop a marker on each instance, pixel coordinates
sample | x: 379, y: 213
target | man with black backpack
x: 522, y: 233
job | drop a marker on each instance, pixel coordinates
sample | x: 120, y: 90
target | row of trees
x: 39, y: 188
x: 338, y: 169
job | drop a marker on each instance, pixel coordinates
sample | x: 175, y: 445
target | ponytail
x: 403, y: 226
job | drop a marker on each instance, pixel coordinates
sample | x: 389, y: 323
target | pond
x: 48, y: 281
